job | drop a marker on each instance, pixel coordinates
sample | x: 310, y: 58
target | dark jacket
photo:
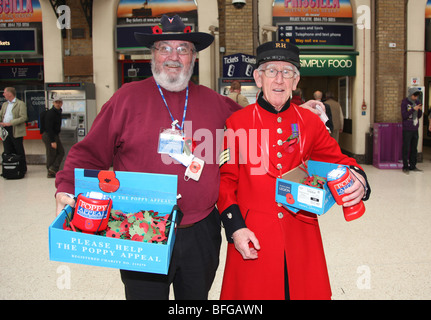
x: 53, y: 123
x: 410, y: 115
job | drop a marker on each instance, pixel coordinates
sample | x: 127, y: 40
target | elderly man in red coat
x: 274, y: 253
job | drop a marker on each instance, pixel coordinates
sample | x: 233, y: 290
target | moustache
x: 173, y: 64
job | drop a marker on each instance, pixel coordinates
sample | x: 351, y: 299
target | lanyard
x: 185, y: 107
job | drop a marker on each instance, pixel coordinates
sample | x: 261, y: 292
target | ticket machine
x: 79, y: 105
x: 79, y: 109
x: 248, y: 87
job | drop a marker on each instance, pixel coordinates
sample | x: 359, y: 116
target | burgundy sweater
x: 126, y: 131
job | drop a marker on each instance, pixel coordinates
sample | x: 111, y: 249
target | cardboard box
x: 134, y: 192
x: 296, y: 196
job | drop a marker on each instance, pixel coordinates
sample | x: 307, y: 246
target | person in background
x: 297, y: 97
x: 51, y: 138
x: 337, y: 115
x: 13, y: 116
x: 318, y: 96
x: 411, y: 112
x: 235, y: 94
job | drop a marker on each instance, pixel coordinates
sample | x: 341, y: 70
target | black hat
x: 278, y: 51
x: 174, y: 29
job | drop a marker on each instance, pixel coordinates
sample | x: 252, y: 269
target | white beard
x: 172, y: 83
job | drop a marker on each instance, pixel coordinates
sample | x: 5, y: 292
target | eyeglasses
x: 286, y: 73
x: 167, y: 50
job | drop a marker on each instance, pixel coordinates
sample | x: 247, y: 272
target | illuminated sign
x: 315, y: 24
x: 328, y: 65
x: 311, y: 36
x: 125, y: 37
x: 334, y: 9
x: 18, y: 41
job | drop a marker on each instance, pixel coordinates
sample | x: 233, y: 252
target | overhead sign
x: 21, y: 71
x: 18, y: 41
x: 125, y: 37
x: 138, y: 12
x: 333, y: 9
x: 140, y: 16
x: 310, y: 36
x: 19, y: 13
x: 328, y: 65
x: 428, y: 10
x: 315, y: 24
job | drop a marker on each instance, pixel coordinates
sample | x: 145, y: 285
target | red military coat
x: 281, y: 233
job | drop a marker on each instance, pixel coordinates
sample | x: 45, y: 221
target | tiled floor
x: 384, y: 255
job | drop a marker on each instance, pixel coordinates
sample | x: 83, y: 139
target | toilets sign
x: 328, y: 65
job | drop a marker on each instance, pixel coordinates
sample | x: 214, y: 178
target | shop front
x: 332, y: 59
x: 21, y: 57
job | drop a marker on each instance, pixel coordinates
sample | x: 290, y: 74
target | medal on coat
x: 289, y: 144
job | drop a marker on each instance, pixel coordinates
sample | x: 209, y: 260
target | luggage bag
x: 13, y: 166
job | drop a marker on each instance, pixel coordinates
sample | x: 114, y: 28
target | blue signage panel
x: 125, y: 37
x: 321, y: 36
x: 26, y: 71
x: 238, y: 65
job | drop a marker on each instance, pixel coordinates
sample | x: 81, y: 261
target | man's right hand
x: 62, y: 199
x: 241, y: 238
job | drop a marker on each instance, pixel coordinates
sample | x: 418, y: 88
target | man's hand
x: 312, y: 106
x: 316, y: 107
x: 62, y: 199
x: 356, y: 192
x: 242, y: 239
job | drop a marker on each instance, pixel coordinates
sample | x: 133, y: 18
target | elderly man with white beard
x: 130, y: 134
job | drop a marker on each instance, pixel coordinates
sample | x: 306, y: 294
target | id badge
x: 171, y: 141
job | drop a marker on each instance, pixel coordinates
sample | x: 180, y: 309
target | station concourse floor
x: 385, y: 255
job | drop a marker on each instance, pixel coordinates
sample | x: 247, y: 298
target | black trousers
x: 14, y: 145
x: 410, y: 149
x: 194, y: 263
x: 53, y: 156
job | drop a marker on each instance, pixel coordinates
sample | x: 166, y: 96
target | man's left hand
x: 356, y: 192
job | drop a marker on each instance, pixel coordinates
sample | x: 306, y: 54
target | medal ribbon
x: 185, y: 106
